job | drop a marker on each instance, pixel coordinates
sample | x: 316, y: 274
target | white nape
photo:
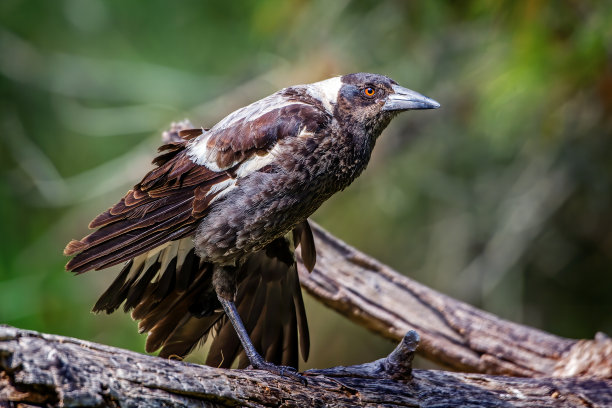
x: 326, y: 91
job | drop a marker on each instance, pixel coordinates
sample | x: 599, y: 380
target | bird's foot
x: 283, y: 371
x: 256, y: 360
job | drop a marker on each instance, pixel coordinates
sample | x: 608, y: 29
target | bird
x: 208, y: 237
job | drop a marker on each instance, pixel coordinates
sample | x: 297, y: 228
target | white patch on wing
x: 254, y: 110
x: 201, y: 154
x: 326, y: 91
x: 204, y: 155
x: 222, y: 189
x: 257, y: 162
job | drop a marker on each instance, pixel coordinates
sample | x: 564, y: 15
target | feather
x: 302, y: 235
x: 112, y: 298
x: 189, y: 134
x: 74, y: 247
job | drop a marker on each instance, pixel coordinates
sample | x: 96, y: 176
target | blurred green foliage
x: 501, y: 198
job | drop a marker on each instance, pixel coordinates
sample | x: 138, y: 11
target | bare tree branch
x: 453, y: 333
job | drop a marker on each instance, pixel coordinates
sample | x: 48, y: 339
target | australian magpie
x: 208, y: 235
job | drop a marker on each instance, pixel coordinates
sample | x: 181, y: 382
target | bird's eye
x: 369, y: 91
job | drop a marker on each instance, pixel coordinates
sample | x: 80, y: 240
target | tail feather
x: 302, y: 322
x: 302, y: 235
x: 225, y: 347
x: 188, y: 335
x: 267, y: 296
x: 112, y: 298
x: 169, y: 290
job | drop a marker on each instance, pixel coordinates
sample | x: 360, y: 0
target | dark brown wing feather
x: 164, y: 206
x: 302, y: 236
x: 177, y: 306
x: 252, y: 136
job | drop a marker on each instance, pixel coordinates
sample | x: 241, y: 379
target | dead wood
x: 48, y: 370
x: 453, y: 333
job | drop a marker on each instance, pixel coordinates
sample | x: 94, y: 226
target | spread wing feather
x: 171, y: 199
x: 178, y: 317
x: 164, y: 206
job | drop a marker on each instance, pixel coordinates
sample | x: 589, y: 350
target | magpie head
x: 370, y: 101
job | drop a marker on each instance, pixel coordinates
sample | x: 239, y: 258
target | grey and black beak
x: 404, y: 99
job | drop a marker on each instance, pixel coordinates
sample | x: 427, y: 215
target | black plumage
x: 214, y: 226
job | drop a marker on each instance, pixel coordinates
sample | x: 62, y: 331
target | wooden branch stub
x: 48, y: 370
x: 396, y: 366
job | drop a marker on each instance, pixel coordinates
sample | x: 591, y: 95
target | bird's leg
x: 254, y: 357
x: 224, y: 281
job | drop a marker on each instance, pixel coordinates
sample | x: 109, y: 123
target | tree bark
x: 48, y: 370
x: 453, y: 333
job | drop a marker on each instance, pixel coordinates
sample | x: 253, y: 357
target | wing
x: 190, y: 174
x: 248, y: 135
x: 163, y: 207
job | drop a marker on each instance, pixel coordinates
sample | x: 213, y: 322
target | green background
x: 501, y: 198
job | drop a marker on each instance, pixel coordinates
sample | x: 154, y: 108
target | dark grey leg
x: 254, y: 357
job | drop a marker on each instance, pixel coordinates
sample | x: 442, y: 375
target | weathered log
x: 48, y: 370
x: 453, y: 333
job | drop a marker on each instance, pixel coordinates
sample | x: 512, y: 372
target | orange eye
x: 369, y: 91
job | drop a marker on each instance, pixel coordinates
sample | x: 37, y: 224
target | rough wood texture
x: 453, y: 333
x: 47, y: 370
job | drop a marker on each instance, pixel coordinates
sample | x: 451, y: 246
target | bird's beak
x: 404, y: 99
